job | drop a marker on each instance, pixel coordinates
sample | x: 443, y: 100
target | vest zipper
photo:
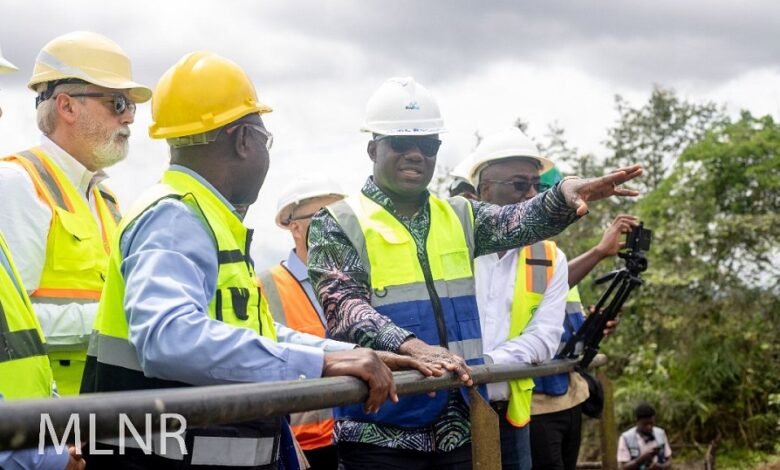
x: 422, y: 258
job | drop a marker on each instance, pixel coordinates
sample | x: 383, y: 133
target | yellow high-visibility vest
x: 428, y: 290
x: 535, y: 265
x: 236, y: 300
x: 24, y: 366
x: 112, y: 361
x: 76, y: 251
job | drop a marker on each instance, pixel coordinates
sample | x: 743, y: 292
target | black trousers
x: 355, y: 456
x: 323, y: 458
x: 555, y: 439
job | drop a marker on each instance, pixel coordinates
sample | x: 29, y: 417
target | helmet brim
x: 6, y: 66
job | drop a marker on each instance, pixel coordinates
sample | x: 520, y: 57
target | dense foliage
x: 700, y: 340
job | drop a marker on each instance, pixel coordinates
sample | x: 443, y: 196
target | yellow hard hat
x: 202, y: 92
x: 90, y: 57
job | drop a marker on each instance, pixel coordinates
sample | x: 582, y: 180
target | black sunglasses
x: 429, y: 146
x: 524, y: 185
x: 121, y: 102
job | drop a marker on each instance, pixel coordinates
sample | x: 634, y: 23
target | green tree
x: 657, y: 132
x: 582, y: 235
x: 700, y: 340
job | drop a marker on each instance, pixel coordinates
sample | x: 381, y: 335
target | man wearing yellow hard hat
x: 181, y: 305
x: 58, y: 216
x: 24, y: 366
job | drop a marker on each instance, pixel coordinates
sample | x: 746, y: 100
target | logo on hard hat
x: 412, y: 105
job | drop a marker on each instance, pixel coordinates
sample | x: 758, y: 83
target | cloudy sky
x: 316, y: 64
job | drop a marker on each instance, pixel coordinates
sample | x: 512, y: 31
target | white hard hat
x: 503, y: 145
x: 401, y: 106
x: 301, y: 190
x: 5, y: 65
x: 461, y: 170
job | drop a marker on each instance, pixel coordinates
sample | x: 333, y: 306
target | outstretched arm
x: 499, y: 228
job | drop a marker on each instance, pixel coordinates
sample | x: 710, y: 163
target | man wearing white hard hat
x: 521, y: 293
x: 392, y: 269
x: 59, y: 215
x: 24, y: 367
x: 525, y: 305
x: 292, y: 303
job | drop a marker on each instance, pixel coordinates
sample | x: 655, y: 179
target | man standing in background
x: 292, y: 303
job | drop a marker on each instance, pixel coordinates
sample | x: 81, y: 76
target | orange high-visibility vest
x: 292, y: 307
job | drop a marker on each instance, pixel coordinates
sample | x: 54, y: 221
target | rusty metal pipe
x: 21, y: 422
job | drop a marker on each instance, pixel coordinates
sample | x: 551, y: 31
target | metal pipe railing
x: 22, y: 422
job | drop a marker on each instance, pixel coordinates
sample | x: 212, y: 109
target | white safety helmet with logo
x: 401, y: 106
x: 88, y: 57
x: 511, y: 143
x: 302, y: 190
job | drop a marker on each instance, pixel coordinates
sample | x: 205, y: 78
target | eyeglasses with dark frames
x: 269, y: 138
x: 429, y: 146
x: 120, y: 102
x: 523, y: 185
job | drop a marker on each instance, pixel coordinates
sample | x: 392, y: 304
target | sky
x: 487, y: 62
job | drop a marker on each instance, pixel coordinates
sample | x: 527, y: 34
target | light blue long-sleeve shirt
x: 30, y: 459
x: 169, y: 263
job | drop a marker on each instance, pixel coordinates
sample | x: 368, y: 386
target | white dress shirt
x: 495, y: 279
x: 25, y: 221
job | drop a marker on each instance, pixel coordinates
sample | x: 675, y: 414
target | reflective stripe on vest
x: 209, y: 450
x: 291, y: 306
x: 558, y: 384
x: 24, y: 366
x: 535, y: 265
x: 437, y: 304
x: 76, y: 248
x: 112, y: 362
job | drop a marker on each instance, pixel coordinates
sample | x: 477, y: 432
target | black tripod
x: 585, y: 341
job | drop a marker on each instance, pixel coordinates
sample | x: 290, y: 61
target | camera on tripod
x: 637, y: 243
x: 585, y: 341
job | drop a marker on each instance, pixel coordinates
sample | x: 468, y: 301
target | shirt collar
x: 78, y: 174
x: 208, y: 186
x: 373, y: 192
x: 297, y: 267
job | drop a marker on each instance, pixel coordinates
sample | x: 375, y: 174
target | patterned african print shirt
x: 343, y: 287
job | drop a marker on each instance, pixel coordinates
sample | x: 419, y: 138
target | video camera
x: 585, y: 342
